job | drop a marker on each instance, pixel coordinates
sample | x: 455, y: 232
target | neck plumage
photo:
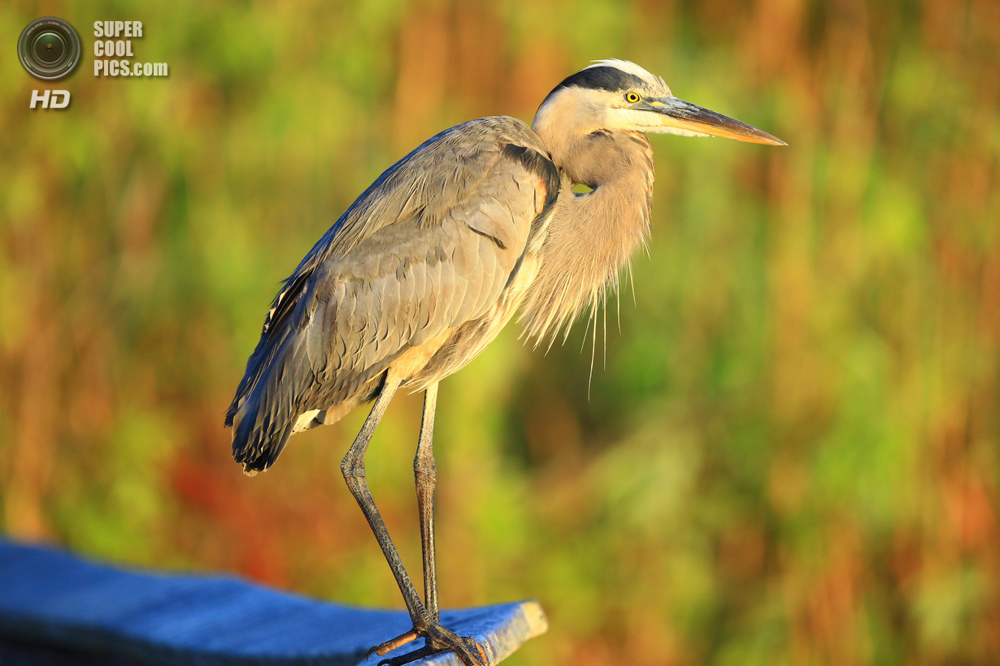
x: 590, y: 236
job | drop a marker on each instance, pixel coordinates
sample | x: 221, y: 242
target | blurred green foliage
x: 789, y: 453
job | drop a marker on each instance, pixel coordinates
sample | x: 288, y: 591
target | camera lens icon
x: 49, y: 48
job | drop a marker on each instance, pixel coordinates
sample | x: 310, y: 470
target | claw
x: 480, y: 654
x: 393, y: 643
x: 438, y: 639
x: 408, y: 657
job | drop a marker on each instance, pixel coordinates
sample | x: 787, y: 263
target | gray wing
x: 429, y: 246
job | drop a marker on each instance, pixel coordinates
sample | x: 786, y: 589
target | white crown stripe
x: 629, y: 68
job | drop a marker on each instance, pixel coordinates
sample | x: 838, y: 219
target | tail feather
x: 263, y: 411
x: 260, y: 428
x: 257, y: 442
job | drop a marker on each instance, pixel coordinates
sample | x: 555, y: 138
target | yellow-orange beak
x: 680, y: 117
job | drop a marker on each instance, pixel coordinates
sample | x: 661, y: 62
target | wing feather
x: 429, y: 246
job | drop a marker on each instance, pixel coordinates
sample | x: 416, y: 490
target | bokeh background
x: 788, y: 452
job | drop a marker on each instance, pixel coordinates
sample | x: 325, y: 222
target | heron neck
x: 591, y: 236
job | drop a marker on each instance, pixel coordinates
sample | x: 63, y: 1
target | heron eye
x: 631, y: 97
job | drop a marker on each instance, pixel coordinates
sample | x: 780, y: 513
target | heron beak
x: 678, y: 115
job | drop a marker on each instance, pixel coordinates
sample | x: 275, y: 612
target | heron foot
x: 439, y: 639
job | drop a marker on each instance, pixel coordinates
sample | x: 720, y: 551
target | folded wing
x: 430, y: 245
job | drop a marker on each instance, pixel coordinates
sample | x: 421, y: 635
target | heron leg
x: 424, y: 624
x: 425, y: 475
x: 353, y: 469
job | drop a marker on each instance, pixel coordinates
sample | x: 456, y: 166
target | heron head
x: 617, y: 94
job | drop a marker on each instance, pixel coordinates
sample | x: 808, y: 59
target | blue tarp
x: 54, y: 603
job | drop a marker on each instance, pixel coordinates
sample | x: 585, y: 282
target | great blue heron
x: 419, y: 275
